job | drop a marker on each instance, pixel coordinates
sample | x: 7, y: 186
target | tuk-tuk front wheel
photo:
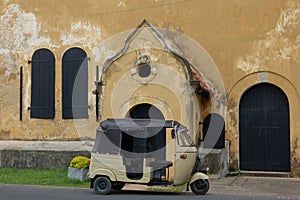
x: 102, y: 185
x: 200, y: 187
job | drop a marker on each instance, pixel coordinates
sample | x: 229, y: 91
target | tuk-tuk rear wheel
x: 102, y: 185
x: 200, y: 187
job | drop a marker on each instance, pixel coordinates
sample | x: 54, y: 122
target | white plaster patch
x: 83, y: 33
x: 27, y: 95
x: 248, y: 65
x: 263, y: 77
x: 101, y: 54
x: 19, y: 34
x: 6, y: 1
x: 122, y: 3
x: 277, y: 48
x: 19, y: 37
x: 287, y: 18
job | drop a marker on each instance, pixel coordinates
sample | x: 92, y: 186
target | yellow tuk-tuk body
x: 128, y: 151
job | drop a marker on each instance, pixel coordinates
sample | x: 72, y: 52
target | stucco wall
x: 242, y: 37
x: 168, y: 89
x: 272, y: 58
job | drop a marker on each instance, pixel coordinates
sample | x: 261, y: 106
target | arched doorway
x: 148, y: 111
x: 145, y: 111
x: 264, y: 132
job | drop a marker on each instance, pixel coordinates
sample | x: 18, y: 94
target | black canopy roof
x: 135, y: 123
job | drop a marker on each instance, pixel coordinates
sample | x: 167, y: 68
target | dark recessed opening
x: 144, y: 70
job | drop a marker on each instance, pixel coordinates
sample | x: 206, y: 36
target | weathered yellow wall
x: 242, y: 37
x: 168, y: 90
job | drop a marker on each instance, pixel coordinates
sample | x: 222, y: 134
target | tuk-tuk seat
x: 160, y: 164
x: 159, y: 167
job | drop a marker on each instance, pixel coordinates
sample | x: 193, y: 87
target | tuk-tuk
x: 144, y: 151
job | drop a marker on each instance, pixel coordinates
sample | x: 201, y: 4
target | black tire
x: 200, y: 186
x: 102, y: 185
x: 118, y: 185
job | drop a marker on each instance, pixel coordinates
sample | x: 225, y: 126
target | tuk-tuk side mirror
x: 173, y: 134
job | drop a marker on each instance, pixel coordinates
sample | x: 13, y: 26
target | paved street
x: 15, y: 192
x: 239, y: 188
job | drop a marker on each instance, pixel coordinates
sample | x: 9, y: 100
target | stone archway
x: 145, y: 111
x: 235, y: 93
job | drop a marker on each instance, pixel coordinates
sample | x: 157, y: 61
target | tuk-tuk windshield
x: 183, y: 138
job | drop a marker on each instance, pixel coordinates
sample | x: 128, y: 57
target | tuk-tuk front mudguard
x: 101, y: 172
x: 196, y: 176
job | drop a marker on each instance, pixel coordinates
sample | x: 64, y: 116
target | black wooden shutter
x: 214, y: 131
x: 42, y: 84
x: 74, y: 84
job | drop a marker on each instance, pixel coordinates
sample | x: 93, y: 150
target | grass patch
x: 51, y: 177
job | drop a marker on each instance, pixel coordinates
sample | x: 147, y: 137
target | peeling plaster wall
x: 279, y: 48
x: 19, y: 33
x: 275, y: 59
x: 78, y: 34
x: 242, y: 37
x: 22, y: 34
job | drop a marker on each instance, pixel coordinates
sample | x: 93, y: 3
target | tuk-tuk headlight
x: 204, y: 170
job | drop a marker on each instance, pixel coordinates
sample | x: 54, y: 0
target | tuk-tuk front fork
x: 196, y: 169
x: 197, y: 173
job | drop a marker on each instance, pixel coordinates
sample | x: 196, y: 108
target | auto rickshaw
x: 144, y: 151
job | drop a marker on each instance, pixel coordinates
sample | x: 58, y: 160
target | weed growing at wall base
x: 47, y: 177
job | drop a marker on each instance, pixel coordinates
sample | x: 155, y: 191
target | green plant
x: 80, y: 162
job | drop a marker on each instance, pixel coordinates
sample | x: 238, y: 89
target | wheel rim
x: 101, y: 186
x: 200, y: 185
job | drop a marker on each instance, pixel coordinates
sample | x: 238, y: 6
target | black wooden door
x: 264, y: 129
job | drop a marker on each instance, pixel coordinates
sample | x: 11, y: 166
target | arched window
x: 42, y: 84
x: 74, y: 84
x: 214, y: 131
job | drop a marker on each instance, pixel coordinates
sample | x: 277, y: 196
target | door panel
x: 185, y: 166
x: 252, y: 143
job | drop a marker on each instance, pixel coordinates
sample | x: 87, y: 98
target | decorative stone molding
x: 143, y: 71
